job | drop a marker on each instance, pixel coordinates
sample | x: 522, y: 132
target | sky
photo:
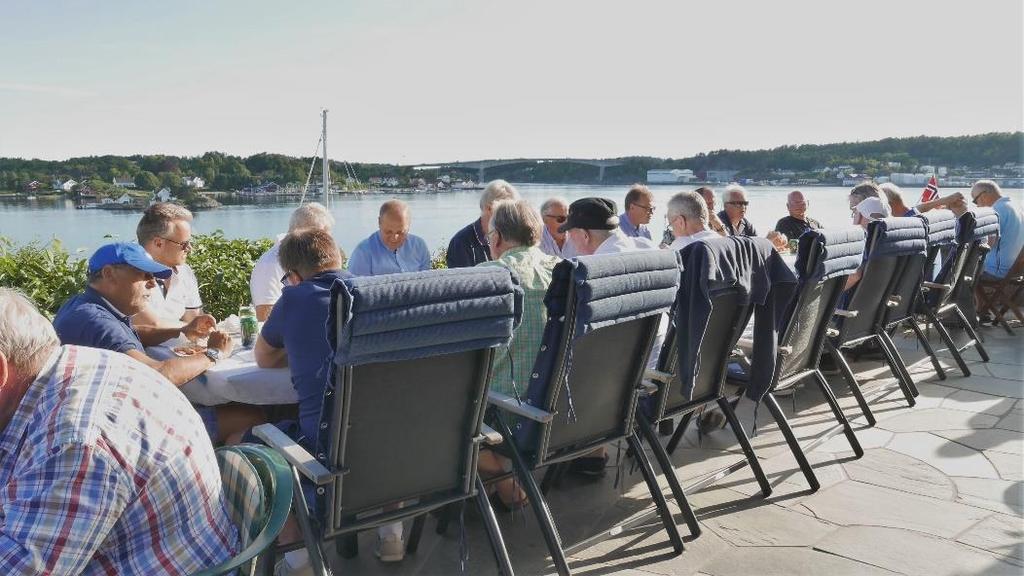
x: 444, y: 80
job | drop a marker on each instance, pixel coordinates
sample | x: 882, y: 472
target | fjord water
x: 435, y: 216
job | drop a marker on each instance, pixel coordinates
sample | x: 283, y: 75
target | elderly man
x: 104, y: 467
x: 554, y: 212
x: 1007, y: 246
x: 687, y: 214
x: 868, y: 210
x: 863, y: 191
x: 639, y: 209
x: 593, y: 228
x: 265, y: 281
x: 798, y: 222
x: 391, y: 249
x: 894, y: 197
x: 122, y: 278
x: 165, y: 231
x: 469, y: 246
x: 734, y: 217
x: 514, y: 232
x: 708, y: 194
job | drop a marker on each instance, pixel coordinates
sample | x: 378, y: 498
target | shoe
x: 390, y: 548
x: 590, y: 466
x: 499, y: 505
x: 711, y: 421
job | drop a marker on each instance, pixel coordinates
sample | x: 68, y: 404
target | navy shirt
x: 745, y: 228
x: 468, y: 247
x: 298, y: 323
x: 372, y: 258
x: 88, y: 319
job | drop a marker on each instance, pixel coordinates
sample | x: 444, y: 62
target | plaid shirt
x: 105, y: 468
x: 533, y: 268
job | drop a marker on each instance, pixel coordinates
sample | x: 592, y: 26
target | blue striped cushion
x: 941, y: 225
x: 841, y: 252
x: 898, y: 236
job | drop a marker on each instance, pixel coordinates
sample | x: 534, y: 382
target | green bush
x: 47, y: 274
x: 223, y: 268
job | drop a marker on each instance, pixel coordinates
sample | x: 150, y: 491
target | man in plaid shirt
x: 105, y: 468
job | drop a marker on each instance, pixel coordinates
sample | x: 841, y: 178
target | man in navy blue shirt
x: 391, y: 249
x: 121, y: 277
x: 469, y: 246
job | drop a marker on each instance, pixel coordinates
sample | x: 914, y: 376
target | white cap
x: 872, y: 208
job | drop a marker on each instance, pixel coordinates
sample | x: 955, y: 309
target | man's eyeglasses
x: 286, y: 280
x: 738, y: 202
x: 649, y: 209
x: 559, y: 219
x: 974, y: 198
x: 185, y: 246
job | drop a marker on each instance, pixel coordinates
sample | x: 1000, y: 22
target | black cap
x: 591, y: 214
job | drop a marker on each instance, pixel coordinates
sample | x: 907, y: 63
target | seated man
x: 716, y: 226
x: 867, y: 211
x: 554, y: 211
x: 734, y: 217
x: 798, y: 222
x: 391, y: 249
x: 166, y: 234
x: 639, y: 210
x: 593, y: 228
x: 121, y: 279
x: 105, y: 467
x: 687, y: 214
x: 468, y: 247
x: 1010, y: 241
x: 265, y: 281
x: 514, y: 234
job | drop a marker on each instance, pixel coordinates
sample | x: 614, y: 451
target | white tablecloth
x: 235, y: 379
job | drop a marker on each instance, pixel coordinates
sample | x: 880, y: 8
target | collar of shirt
x: 94, y: 297
x: 628, y: 226
x: 478, y: 231
x: 10, y: 437
x: 378, y: 244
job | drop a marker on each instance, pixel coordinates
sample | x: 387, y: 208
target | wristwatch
x: 212, y: 354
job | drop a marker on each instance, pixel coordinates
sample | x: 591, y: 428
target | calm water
x: 435, y: 216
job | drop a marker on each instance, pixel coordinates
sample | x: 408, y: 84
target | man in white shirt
x: 687, y: 214
x: 266, y: 281
x: 593, y: 228
x: 165, y: 231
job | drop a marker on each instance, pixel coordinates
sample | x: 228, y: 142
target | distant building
x: 907, y: 179
x: 67, y: 185
x: 942, y: 171
x: 123, y: 182
x: 720, y: 175
x: 163, y: 195
x: 125, y: 199
x: 926, y: 169
x: 34, y: 185
x: 675, y: 176
x: 193, y: 182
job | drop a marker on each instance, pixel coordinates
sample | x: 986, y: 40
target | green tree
x: 170, y: 180
x: 146, y: 180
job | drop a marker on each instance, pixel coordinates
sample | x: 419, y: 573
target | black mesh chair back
x: 868, y: 296
x: 911, y: 250
x: 941, y: 226
x: 986, y: 223
x: 402, y: 420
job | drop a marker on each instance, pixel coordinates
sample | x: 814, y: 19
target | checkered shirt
x: 105, y: 468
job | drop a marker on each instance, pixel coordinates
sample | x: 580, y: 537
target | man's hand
x: 221, y: 342
x: 954, y: 198
x: 199, y: 327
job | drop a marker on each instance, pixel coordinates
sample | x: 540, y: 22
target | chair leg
x: 972, y: 334
x: 537, y: 501
x: 898, y: 368
x: 412, y: 542
x: 851, y: 381
x: 794, y: 445
x: 647, y: 431
x: 947, y: 338
x: 748, y: 450
x: 928, y: 348
x: 678, y: 434
x: 316, y: 554
x: 837, y: 410
x: 493, y: 530
x: 443, y: 518
x: 659, y: 498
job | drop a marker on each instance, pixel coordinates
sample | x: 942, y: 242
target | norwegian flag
x: 931, y: 191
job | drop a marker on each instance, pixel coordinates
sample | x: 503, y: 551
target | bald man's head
x: 796, y: 204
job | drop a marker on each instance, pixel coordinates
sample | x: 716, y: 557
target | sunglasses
x: 185, y: 246
x: 974, y: 199
x: 286, y: 280
x: 559, y: 219
x: 649, y: 209
x: 738, y: 203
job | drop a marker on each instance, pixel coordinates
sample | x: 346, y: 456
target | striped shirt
x: 105, y: 468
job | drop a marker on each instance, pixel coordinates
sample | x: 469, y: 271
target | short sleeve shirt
x: 88, y: 319
x: 638, y: 231
x: 298, y: 323
x: 265, y: 282
x: 372, y: 258
x: 793, y: 228
x: 171, y: 298
x: 1011, y: 239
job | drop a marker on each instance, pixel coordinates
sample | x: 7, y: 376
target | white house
x: 124, y: 199
x: 163, y: 195
x: 193, y: 182
x: 670, y: 176
x: 123, y: 182
x: 67, y: 186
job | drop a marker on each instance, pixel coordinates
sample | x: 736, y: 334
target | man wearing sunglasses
x: 1008, y: 244
x: 554, y: 212
x: 639, y: 210
x: 165, y: 231
x: 734, y: 217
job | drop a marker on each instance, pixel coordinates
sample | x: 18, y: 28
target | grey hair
x: 601, y: 235
x: 393, y: 206
x: 892, y: 192
x: 158, y: 219
x: 988, y: 186
x: 731, y: 190
x: 864, y: 190
x: 517, y: 222
x: 551, y: 202
x: 311, y: 215
x: 497, y: 190
x: 690, y: 205
x: 26, y: 336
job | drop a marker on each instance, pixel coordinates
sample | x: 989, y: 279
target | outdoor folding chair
x: 258, y: 491
x: 862, y: 318
x: 402, y: 416
x: 603, y: 314
x: 956, y: 278
x: 1000, y: 295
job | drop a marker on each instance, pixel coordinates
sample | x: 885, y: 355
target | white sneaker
x: 390, y: 548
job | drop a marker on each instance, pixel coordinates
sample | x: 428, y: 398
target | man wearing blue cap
x: 121, y: 276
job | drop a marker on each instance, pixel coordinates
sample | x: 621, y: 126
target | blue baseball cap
x: 133, y: 255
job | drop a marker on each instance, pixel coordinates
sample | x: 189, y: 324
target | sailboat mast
x: 325, y: 193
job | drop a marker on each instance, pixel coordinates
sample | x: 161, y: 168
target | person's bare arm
x: 940, y: 202
x: 267, y: 356
x: 152, y: 333
x: 263, y: 311
x: 191, y: 314
x: 180, y: 370
x: 852, y: 279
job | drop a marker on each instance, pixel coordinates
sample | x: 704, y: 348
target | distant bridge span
x: 482, y: 165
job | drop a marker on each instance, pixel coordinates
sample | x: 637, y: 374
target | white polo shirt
x: 171, y: 298
x: 683, y: 241
x: 265, y: 282
x: 619, y: 242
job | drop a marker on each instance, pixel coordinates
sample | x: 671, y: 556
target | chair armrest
x: 658, y: 376
x: 893, y: 301
x: 510, y: 404
x: 846, y: 313
x: 934, y: 286
x: 648, y: 388
x: 785, y: 350
x: 832, y: 333
x: 295, y: 455
x: 491, y: 436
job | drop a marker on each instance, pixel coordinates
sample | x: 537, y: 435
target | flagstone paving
x: 939, y: 490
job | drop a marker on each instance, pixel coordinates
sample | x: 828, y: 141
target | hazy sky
x: 427, y: 80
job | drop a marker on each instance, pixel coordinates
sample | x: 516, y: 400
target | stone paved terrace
x: 940, y: 490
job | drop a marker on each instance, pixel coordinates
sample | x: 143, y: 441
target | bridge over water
x: 482, y: 165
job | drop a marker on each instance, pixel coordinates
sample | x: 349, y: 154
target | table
x: 236, y: 378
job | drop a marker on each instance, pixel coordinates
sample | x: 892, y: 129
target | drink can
x: 248, y: 331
